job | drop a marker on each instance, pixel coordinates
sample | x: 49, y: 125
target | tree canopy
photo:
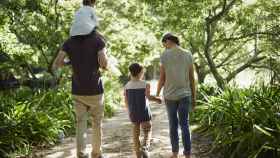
x: 225, y: 36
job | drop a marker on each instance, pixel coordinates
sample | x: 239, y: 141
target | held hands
x: 158, y: 100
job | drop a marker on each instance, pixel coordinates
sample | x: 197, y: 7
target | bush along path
x: 117, y: 139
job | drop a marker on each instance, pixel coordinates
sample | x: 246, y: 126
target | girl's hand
x: 158, y: 100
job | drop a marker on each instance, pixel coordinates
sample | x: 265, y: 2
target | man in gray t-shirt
x: 177, y: 78
x: 176, y: 62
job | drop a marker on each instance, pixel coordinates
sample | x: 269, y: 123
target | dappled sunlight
x: 249, y: 2
x: 117, y: 138
x: 233, y: 46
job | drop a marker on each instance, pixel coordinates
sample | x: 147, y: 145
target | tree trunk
x: 201, y: 73
x: 207, y: 52
x: 210, y: 23
x: 201, y: 77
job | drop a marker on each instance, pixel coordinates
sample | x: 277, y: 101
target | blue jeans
x: 178, y: 113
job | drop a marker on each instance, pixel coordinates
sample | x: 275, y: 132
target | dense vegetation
x: 39, y: 118
x: 225, y: 37
x: 242, y: 122
x: 31, y: 32
x: 31, y: 118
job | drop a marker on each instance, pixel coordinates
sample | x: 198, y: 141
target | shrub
x: 36, y: 118
x: 29, y: 118
x: 112, y: 95
x: 243, y: 122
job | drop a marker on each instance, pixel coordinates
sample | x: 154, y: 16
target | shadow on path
x: 117, y: 139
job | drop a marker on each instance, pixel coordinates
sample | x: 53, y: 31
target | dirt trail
x: 117, y: 139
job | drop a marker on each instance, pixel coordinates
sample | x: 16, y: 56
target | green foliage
x: 112, y: 95
x: 124, y: 24
x: 32, y: 31
x: 225, y: 37
x: 243, y: 122
x: 205, y: 90
x: 31, y: 118
x: 39, y: 26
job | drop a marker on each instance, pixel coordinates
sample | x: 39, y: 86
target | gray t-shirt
x: 176, y: 62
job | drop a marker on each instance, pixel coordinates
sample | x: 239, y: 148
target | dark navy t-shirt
x: 83, y: 54
x: 138, y: 105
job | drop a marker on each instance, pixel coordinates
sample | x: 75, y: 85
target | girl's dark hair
x: 88, y: 2
x: 170, y: 37
x: 135, y: 69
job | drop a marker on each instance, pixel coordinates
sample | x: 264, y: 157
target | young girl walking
x: 137, y: 96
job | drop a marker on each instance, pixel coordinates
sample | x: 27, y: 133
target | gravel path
x: 117, y: 139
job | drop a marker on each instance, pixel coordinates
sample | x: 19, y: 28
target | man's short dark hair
x: 170, y: 37
x: 135, y: 69
x: 88, y: 2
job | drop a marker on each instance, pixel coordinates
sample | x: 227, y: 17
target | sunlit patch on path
x: 117, y: 141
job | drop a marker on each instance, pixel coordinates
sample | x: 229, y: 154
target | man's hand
x: 103, y: 59
x: 193, y: 87
x: 193, y: 104
x: 158, y: 100
x: 161, y: 80
x: 59, y: 60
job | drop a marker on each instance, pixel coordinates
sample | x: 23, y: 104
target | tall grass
x: 244, y: 123
x: 37, y: 118
x: 29, y: 118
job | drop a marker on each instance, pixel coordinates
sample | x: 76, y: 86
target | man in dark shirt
x: 87, y: 54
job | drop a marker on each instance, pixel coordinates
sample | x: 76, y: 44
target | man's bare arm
x: 103, y: 59
x: 151, y: 97
x: 59, y: 60
x: 192, y: 84
x: 161, y: 80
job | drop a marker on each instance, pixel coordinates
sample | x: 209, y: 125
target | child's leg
x: 147, y: 130
x: 136, y: 140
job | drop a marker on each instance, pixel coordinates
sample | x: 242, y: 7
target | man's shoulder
x: 68, y: 40
x: 100, y: 38
x: 185, y: 51
x: 67, y: 43
x: 71, y: 41
x: 100, y: 41
x: 165, y: 53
